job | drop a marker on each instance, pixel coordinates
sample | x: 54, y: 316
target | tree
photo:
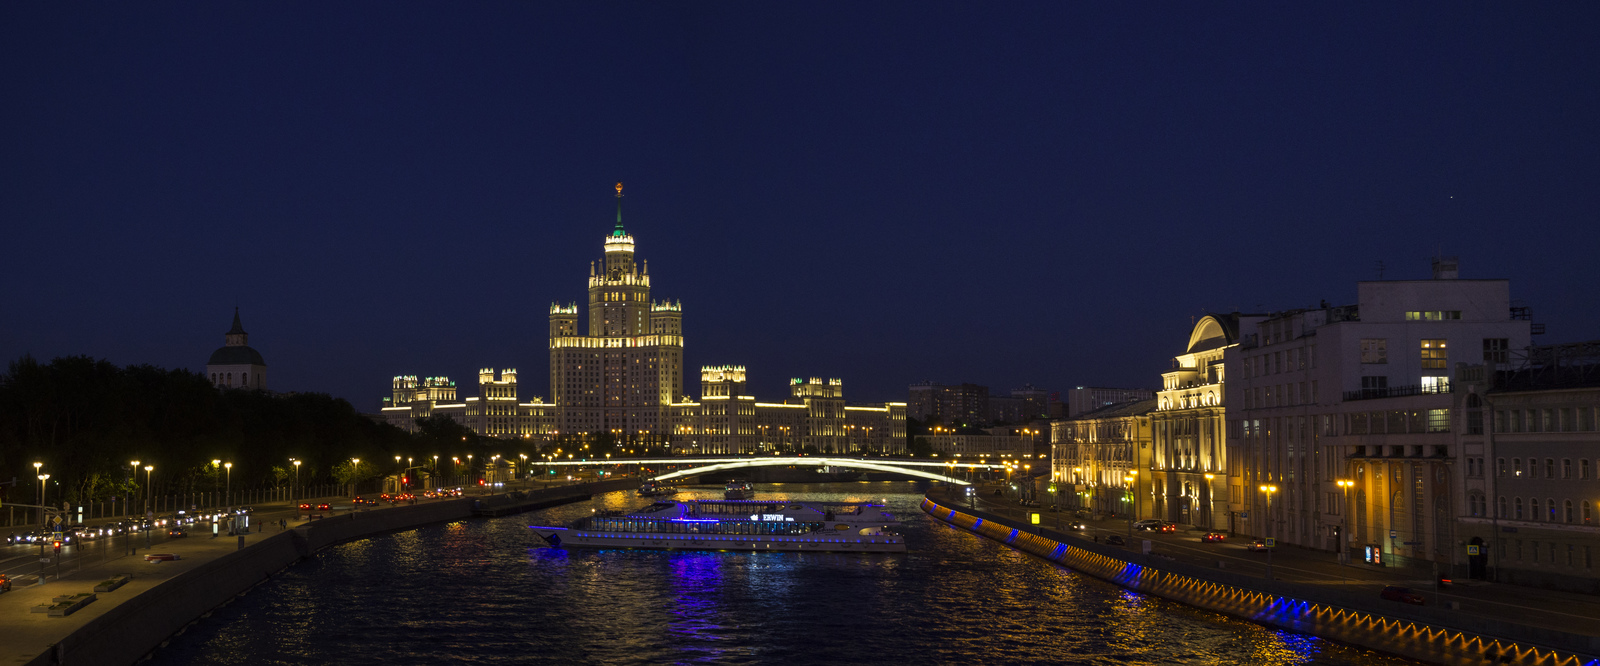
x: 919, y: 447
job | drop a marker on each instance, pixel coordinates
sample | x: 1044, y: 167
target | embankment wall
x: 133, y: 628
x: 1434, y: 635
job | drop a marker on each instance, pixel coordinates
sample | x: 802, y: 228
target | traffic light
x: 58, y: 546
x: 405, y: 479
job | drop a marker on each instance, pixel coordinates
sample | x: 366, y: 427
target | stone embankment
x: 1427, y: 634
x: 133, y: 628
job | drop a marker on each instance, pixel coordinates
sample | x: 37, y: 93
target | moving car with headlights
x: 1256, y: 545
x: 1214, y: 537
x: 1148, y: 524
x: 177, y: 533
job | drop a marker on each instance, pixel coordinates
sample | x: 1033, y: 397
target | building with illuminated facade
x: 622, y: 375
x: 1100, y: 460
x: 1189, y: 464
x: 815, y: 417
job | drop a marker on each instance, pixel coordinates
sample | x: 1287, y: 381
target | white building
x: 236, y: 365
x: 1361, y: 393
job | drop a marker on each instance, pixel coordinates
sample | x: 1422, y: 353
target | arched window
x: 1583, y: 468
x: 244, y: 379
x: 1475, y: 505
x: 1549, y: 468
x: 1516, y: 467
x: 1588, y: 513
x: 1566, y: 513
x: 1550, y: 510
x: 1518, y: 505
x: 1500, y: 507
x: 1566, y: 468
x: 1500, y: 466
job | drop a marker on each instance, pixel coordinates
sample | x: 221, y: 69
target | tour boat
x: 653, y: 489
x: 777, y: 525
x: 738, y: 490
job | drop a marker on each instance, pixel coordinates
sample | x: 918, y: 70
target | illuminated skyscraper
x: 622, y: 375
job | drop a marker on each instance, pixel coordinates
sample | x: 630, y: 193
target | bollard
x: 241, y: 543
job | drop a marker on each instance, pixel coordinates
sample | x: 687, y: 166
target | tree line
x: 86, y: 420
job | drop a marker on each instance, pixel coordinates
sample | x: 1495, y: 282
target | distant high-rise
x: 623, y: 374
x: 235, y: 364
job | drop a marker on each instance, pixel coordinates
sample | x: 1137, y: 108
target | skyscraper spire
x: 619, y: 232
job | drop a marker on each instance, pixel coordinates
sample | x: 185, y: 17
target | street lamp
x: 1344, y: 488
x: 147, y: 470
x: 1128, y: 479
x: 1210, y: 523
x: 1269, y: 490
x: 355, y: 470
x: 135, y: 465
x: 296, y: 477
x: 228, y: 498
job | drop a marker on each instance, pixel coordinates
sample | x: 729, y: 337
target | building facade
x: 1529, y: 463
x: 622, y: 373
x: 1361, y: 394
x: 496, y: 411
x: 1189, y: 465
x: 1089, y: 398
x: 815, y: 417
x: 235, y: 365
x: 1100, y: 459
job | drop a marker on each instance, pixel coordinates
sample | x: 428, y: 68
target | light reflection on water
x: 483, y: 592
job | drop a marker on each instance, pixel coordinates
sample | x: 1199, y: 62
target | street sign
x: 1033, y: 518
x: 1393, y: 534
x: 1272, y: 542
x: 1472, y: 550
x: 55, y: 519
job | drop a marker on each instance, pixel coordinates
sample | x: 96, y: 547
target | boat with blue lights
x: 654, y: 489
x: 776, y: 525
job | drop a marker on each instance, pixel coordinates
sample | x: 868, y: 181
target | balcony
x: 1397, y: 391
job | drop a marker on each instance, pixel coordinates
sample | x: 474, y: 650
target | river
x: 484, y: 592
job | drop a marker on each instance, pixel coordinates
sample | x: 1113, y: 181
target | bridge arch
x: 829, y: 462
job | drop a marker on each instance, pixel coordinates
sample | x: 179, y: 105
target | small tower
x: 235, y: 365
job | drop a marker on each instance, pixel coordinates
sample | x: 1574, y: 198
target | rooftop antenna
x: 619, y: 231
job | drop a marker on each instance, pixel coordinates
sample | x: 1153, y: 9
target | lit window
x: 1434, y: 355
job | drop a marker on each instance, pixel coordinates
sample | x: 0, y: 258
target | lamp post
x: 147, y: 470
x: 1269, y: 490
x: 1210, y: 523
x: 134, y: 481
x: 39, y: 474
x: 296, y: 478
x: 1134, y: 483
x: 228, y: 498
x: 1127, y: 489
x: 1344, y: 523
x: 355, y: 471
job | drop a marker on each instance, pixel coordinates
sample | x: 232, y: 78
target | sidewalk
x: 1566, y: 611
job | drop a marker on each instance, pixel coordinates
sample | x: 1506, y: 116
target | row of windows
x: 1519, y: 509
x: 1557, y: 419
x: 1278, y: 362
x: 1533, y: 469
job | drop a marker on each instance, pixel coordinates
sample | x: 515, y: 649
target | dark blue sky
x: 886, y: 192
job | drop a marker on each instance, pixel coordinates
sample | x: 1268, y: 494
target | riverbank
x: 1428, y: 634
x: 122, y: 626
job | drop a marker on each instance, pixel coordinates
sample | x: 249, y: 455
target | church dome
x: 236, y: 355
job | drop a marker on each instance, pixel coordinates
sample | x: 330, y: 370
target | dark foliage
x: 86, y: 420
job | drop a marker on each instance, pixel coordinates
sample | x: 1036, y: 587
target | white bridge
x: 926, y: 470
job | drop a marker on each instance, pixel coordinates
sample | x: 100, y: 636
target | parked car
x: 324, y: 507
x: 1257, y: 545
x: 1116, y: 540
x: 1401, y: 594
x: 1149, y: 524
x: 1214, y: 537
x: 5, y: 583
x: 1166, y: 526
x: 177, y: 533
x: 305, y: 506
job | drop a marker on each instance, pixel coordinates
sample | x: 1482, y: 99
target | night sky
x: 882, y: 192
